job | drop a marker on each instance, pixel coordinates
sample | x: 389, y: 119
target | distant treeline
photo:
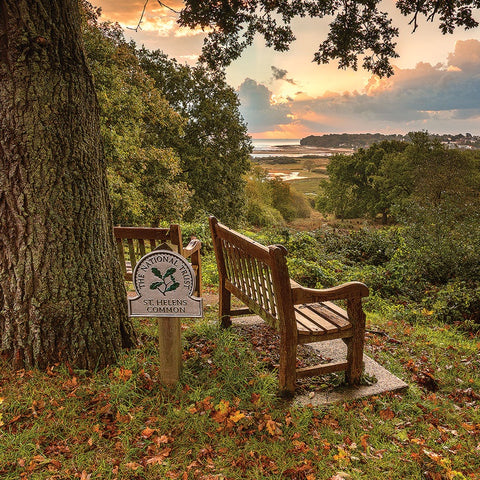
x: 359, y: 140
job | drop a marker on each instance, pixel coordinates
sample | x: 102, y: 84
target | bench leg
x: 225, y: 300
x: 355, y: 344
x: 287, y: 373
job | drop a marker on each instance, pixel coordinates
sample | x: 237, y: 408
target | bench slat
x: 335, y: 308
x: 131, y: 252
x: 141, y: 245
x: 256, y: 249
x: 269, y: 284
x: 321, y: 369
x: 304, y: 337
x: 322, y: 316
x: 306, y: 324
x: 252, y: 305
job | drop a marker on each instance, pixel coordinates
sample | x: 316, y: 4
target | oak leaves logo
x: 166, y: 282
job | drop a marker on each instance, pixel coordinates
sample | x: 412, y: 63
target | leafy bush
x: 369, y: 245
x: 312, y: 274
x: 262, y: 215
x: 300, y: 204
x: 209, y: 270
x: 200, y: 230
x: 457, y: 302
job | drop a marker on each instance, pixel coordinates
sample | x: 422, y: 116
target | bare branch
x: 166, y: 6
x: 141, y: 18
x: 137, y: 28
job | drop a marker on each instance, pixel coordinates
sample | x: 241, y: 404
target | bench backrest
x: 134, y: 242
x: 256, y: 274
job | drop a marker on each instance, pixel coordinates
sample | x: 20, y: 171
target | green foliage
x: 352, y: 189
x: 174, y: 140
x: 138, y: 128
x: 410, y: 269
x: 215, y: 147
x: 313, y: 274
x: 278, y: 160
x: 259, y: 208
x: 260, y: 214
x: 308, y: 164
x: 272, y: 201
x: 458, y: 302
x: 386, y: 177
x: 350, y: 140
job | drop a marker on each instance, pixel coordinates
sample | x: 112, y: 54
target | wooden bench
x: 134, y: 242
x: 258, y: 276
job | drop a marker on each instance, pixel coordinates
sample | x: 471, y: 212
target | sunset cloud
x: 439, y: 95
x: 259, y: 108
x: 445, y: 97
x: 281, y: 74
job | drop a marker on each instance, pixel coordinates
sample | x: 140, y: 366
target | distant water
x: 269, y: 143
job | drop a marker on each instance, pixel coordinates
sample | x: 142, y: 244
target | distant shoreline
x: 297, y: 151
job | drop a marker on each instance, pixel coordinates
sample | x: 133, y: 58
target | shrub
x: 262, y: 215
x: 312, y: 274
x: 457, y: 302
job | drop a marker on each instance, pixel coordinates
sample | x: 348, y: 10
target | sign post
x: 164, y: 282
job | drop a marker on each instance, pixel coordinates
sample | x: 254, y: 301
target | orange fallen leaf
x: 237, y: 416
x: 341, y: 455
x: 386, y: 414
x: 124, y: 374
x: 273, y: 428
x: 162, y: 439
x: 158, y: 459
x: 363, y: 441
x: 147, y: 432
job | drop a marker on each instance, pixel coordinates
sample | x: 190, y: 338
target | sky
x: 436, y: 85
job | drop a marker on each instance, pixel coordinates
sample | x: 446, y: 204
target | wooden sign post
x: 164, y: 282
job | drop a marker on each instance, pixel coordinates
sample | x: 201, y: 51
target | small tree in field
x: 309, y: 164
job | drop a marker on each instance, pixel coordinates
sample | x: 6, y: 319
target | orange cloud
x: 440, y: 98
x: 156, y: 18
x: 284, y: 131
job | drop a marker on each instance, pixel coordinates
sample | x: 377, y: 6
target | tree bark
x: 62, y: 297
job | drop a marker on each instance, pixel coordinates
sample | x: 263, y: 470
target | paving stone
x: 336, y: 350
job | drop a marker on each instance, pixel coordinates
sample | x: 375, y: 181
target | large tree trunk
x: 62, y: 297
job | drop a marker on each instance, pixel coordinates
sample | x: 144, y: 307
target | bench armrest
x: 341, y: 292
x: 193, y: 246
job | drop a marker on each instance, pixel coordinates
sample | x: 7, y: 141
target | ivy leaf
x: 173, y: 286
x: 155, y: 285
x: 157, y: 272
x: 170, y: 271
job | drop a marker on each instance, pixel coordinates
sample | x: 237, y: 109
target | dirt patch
x: 266, y: 344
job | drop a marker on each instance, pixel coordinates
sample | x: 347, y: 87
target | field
x: 304, y: 170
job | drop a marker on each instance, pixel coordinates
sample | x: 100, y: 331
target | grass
x: 225, y: 421
x: 308, y: 186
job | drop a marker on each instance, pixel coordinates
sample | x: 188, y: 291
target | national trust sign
x: 164, y: 282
